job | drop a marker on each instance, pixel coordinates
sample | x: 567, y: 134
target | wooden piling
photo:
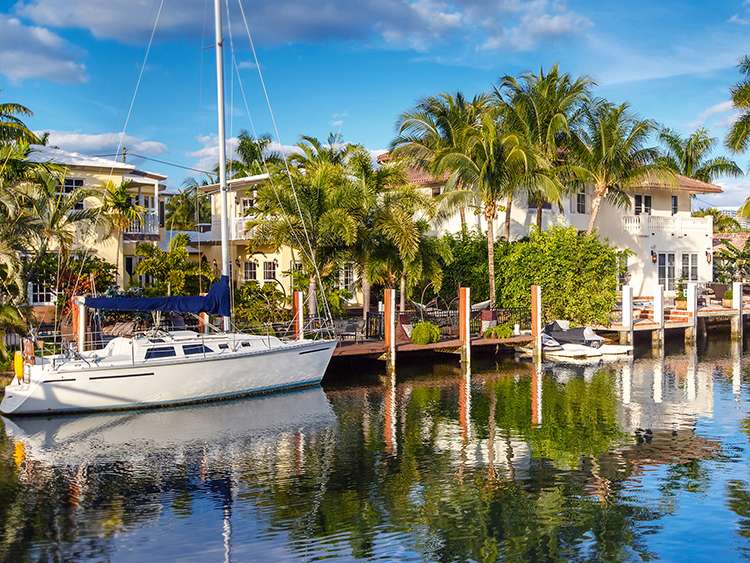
x: 464, y: 320
x: 536, y: 318
x: 736, y: 323
x: 80, y: 309
x: 389, y: 319
x: 657, y: 336
x: 626, y: 337
x: 692, y: 309
x: 298, y: 314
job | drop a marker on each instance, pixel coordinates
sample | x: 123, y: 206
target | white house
x: 665, y: 241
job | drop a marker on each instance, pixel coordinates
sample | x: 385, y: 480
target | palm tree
x: 252, y: 155
x: 612, y: 154
x: 437, y: 125
x: 495, y: 163
x: 120, y: 210
x: 739, y: 134
x: 169, y: 269
x: 723, y: 223
x: 185, y: 210
x: 688, y: 156
x: 318, y: 219
x: 311, y: 151
x: 12, y: 128
x: 545, y: 109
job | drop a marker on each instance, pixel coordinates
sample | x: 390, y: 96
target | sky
x: 349, y: 66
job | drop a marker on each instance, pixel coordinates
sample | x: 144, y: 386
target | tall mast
x: 222, y: 147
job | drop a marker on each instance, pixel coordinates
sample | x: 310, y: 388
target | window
x: 162, y: 213
x: 192, y: 349
x: 223, y: 346
x: 160, y: 352
x: 296, y: 266
x: 69, y: 186
x: 269, y: 270
x: 690, y: 267
x: 622, y: 274
x: 642, y: 204
x: 581, y: 202
x: 246, y: 204
x: 251, y: 270
x: 675, y: 205
x: 41, y: 293
x: 666, y: 270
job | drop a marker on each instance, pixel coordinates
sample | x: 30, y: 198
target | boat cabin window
x: 191, y: 349
x: 223, y: 346
x: 156, y: 340
x: 245, y: 344
x: 160, y: 352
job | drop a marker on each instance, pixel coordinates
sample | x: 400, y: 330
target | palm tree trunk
x: 595, y: 205
x: 402, y: 295
x: 508, y: 211
x: 312, y: 297
x: 117, y: 257
x: 462, y: 216
x: 490, y: 217
x: 365, y: 295
x: 539, y: 215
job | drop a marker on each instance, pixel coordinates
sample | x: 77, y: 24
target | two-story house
x: 665, y: 241
x: 147, y: 188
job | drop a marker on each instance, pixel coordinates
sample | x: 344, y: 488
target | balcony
x: 237, y: 229
x: 648, y: 225
x: 149, y: 226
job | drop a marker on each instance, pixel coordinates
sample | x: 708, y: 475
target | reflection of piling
x: 536, y: 393
x: 389, y: 413
x: 737, y: 368
x: 464, y: 319
x: 298, y: 315
x: 737, y: 288
x: 389, y: 319
x: 464, y: 405
x: 536, y: 318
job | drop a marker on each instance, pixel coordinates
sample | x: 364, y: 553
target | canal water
x: 646, y: 459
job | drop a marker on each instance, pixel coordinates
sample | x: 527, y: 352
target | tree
x: 545, y: 109
x: 495, y: 163
x: 723, y: 223
x: 437, y: 125
x: 185, y: 210
x: 688, y: 156
x: 120, y: 209
x: 317, y: 217
x: 738, y: 136
x: 12, y: 127
x: 252, y: 155
x: 612, y: 155
x: 171, y: 270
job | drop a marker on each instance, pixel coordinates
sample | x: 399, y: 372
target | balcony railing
x: 645, y: 225
x: 237, y: 229
x: 149, y: 226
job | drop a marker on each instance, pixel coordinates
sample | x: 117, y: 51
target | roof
x: 416, y: 176
x: 685, y: 184
x: 738, y: 240
x: 236, y: 184
x: 42, y: 153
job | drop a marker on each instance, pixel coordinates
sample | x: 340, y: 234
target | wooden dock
x: 374, y: 349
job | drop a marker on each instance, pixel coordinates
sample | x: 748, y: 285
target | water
x: 646, y: 459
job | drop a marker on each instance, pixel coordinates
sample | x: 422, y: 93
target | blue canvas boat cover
x: 216, y: 302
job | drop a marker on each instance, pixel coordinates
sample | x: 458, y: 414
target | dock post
x: 536, y: 318
x: 389, y: 318
x: 298, y: 315
x: 692, y: 309
x: 464, y: 320
x: 82, y: 313
x: 737, y: 306
x: 626, y: 337
x: 657, y: 337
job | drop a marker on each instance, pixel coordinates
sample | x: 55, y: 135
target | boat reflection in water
x: 512, y: 460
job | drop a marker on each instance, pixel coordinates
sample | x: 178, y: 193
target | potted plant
x: 680, y: 301
x: 727, y: 299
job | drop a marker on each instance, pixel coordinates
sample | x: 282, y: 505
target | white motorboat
x: 163, y: 367
x: 560, y: 342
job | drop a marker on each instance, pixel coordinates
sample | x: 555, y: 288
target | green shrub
x: 425, y: 332
x: 728, y: 294
x: 499, y: 331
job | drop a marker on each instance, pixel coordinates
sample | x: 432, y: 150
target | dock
x: 374, y: 349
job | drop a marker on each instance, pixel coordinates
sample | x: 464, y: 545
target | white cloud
x: 36, y: 52
x: 744, y: 17
x: 103, y: 143
x: 412, y: 24
x: 711, y: 111
x: 736, y: 190
x: 208, y: 154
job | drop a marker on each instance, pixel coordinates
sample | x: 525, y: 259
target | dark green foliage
x: 425, y: 332
x: 256, y: 305
x: 577, y: 272
x: 468, y: 267
x: 499, y: 331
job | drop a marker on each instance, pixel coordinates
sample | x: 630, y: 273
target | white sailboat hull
x: 171, y: 382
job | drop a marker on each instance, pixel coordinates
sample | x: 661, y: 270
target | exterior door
x: 666, y: 267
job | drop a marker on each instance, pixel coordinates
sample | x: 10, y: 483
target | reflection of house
x: 666, y: 242
x: 147, y: 188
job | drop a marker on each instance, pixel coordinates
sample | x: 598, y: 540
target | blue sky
x: 352, y: 66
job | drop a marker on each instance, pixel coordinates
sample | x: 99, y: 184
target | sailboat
x: 164, y: 367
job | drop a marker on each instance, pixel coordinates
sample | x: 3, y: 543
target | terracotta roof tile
x: 686, y: 184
